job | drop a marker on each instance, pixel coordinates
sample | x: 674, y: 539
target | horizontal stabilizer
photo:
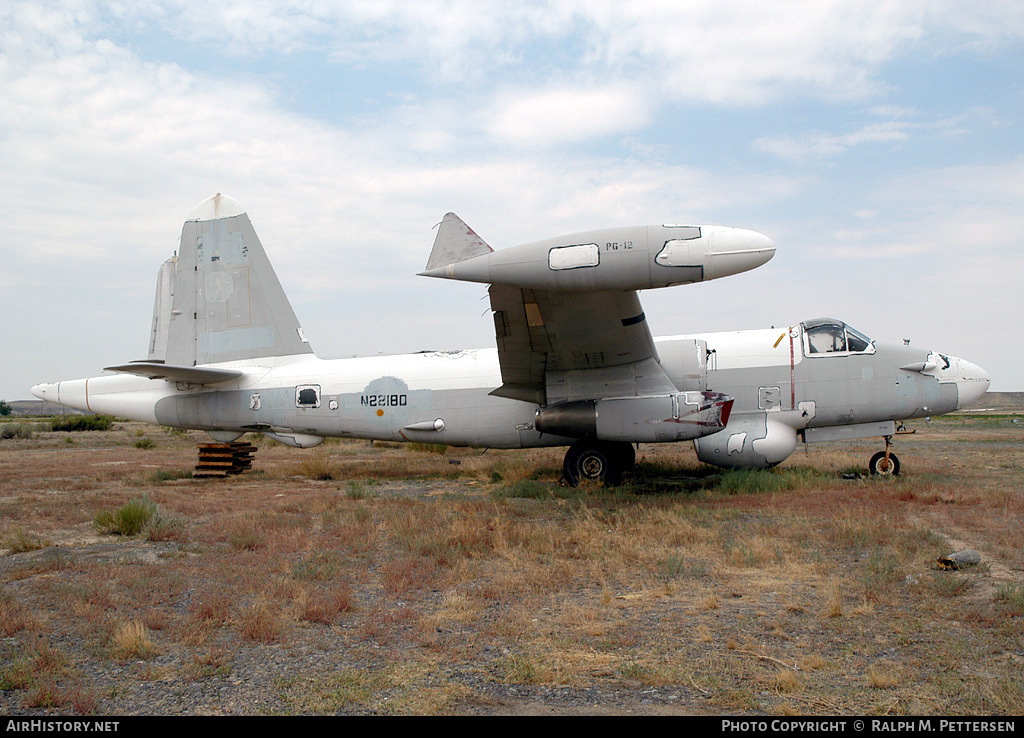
x: 455, y: 242
x: 186, y: 374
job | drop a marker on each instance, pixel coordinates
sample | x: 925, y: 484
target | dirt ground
x: 360, y: 578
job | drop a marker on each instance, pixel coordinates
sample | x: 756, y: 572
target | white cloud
x: 566, y: 115
x: 737, y: 53
x: 821, y: 145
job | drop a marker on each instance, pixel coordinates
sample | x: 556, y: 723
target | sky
x: 880, y: 145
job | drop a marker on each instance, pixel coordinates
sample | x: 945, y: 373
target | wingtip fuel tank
x: 629, y: 258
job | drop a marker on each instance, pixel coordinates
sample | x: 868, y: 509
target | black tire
x: 593, y: 461
x: 879, y: 466
x: 626, y: 454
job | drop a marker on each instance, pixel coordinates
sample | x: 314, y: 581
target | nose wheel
x: 885, y: 463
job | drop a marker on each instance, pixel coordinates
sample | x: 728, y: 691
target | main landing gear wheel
x: 884, y: 464
x: 597, y: 461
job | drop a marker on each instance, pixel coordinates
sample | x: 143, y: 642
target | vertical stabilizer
x: 228, y: 304
x: 162, y: 307
x: 455, y: 242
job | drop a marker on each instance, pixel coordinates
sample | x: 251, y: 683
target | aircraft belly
x: 472, y: 417
x: 385, y: 411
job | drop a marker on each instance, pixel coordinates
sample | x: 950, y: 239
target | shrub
x: 165, y: 475
x: 16, y: 430
x: 128, y: 520
x: 20, y: 541
x: 69, y: 423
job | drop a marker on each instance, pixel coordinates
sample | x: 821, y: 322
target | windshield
x: 828, y: 336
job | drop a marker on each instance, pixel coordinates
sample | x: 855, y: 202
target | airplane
x: 575, y: 362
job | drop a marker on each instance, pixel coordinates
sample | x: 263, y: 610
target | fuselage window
x: 307, y: 395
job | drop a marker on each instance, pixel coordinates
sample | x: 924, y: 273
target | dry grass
x: 833, y: 607
x: 481, y: 586
x: 131, y: 640
x: 882, y: 677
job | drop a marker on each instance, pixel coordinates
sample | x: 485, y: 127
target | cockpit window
x: 826, y: 339
x: 828, y: 336
x: 856, y: 341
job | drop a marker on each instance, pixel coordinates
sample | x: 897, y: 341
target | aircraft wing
x: 567, y: 318
x: 573, y: 345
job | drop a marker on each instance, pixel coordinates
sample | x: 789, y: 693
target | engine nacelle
x: 679, y: 416
x: 748, y: 442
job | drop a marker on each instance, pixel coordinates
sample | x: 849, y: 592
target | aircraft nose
x: 735, y: 250
x: 971, y: 382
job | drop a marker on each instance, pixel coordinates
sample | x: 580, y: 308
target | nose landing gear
x: 885, y: 463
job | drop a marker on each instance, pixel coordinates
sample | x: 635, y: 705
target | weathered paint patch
x: 574, y: 257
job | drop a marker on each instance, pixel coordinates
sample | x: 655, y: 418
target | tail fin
x: 162, y: 307
x: 455, y: 242
x: 228, y: 304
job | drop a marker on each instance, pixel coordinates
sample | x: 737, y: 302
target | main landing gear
x: 885, y: 463
x: 590, y: 460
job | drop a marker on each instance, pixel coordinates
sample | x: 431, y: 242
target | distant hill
x: 40, y: 407
x: 1001, y: 402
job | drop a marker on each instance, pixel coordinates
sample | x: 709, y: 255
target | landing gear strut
x: 885, y: 463
x: 588, y: 460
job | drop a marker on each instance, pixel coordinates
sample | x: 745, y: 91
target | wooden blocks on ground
x: 222, y: 459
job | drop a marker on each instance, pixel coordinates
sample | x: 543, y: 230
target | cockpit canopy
x: 830, y: 336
